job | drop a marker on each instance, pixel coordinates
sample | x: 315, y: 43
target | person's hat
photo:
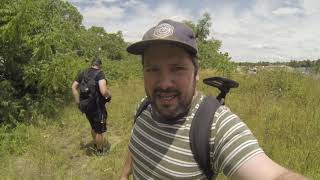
x: 167, y: 31
x: 96, y: 62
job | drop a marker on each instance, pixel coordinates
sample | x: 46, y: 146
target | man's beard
x: 182, y: 107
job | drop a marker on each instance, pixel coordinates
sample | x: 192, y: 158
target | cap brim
x: 138, y: 48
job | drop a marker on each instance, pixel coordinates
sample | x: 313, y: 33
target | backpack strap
x: 86, y: 74
x: 143, y: 105
x: 200, y: 132
x: 95, y: 74
x: 97, y: 99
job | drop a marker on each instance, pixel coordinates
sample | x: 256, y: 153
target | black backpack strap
x: 86, y: 73
x: 97, y: 99
x: 96, y: 74
x: 200, y: 132
x: 143, y: 105
x: 94, y: 78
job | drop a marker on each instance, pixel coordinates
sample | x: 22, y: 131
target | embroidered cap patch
x: 163, y: 30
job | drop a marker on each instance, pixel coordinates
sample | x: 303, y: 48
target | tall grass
x: 282, y: 109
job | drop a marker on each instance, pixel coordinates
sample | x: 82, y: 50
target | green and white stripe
x: 162, y: 151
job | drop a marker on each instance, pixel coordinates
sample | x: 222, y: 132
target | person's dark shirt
x: 91, y: 72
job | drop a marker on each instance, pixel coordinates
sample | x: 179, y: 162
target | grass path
x: 60, y: 150
x: 281, y: 109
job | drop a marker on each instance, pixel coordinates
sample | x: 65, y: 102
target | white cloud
x: 266, y: 30
x: 94, y: 2
x: 77, y: 1
x: 287, y: 11
x: 311, y: 6
x: 98, y: 13
x: 143, y: 18
x: 263, y: 46
x: 130, y: 3
x: 225, y: 22
x: 108, y: 1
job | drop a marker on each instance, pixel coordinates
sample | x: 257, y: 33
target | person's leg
x: 91, y: 119
x: 93, y: 134
x: 104, y: 127
x: 99, y: 141
x: 100, y: 129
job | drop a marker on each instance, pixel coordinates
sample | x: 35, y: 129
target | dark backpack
x: 88, y: 92
x: 199, y: 132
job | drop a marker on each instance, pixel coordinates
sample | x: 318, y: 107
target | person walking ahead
x: 91, y: 100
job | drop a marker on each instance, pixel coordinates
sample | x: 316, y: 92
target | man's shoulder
x: 142, y: 105
x: 223, y: 109
x: 92, y: 70
x: 97, y: 74
x: 221, y: 112
x: 199, y: 99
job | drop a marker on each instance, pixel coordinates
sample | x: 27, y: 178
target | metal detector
x: 223, y: 84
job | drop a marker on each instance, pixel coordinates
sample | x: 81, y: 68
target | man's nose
x: 165, y: 80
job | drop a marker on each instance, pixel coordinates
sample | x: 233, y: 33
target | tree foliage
x: 313, y: 65
x: 209, y: 48
x: 43, y: 44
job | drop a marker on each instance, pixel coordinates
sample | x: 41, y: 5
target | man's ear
x: 197, y: 75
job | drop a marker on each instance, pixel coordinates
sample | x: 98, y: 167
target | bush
x: 15, y: 140
x: 122, y: 70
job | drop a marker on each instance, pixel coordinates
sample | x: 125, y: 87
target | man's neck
x: 95, y: 67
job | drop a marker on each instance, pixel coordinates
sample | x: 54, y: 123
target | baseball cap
x: 167, y: 31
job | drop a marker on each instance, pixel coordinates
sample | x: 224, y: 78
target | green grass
x: 282, y: 109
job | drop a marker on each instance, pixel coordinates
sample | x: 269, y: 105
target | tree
x: 209, y: 48
x: 36, y: 38
x: 43, y: 45
x: 203, y: 27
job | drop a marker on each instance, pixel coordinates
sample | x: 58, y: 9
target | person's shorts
x: 98, y: 121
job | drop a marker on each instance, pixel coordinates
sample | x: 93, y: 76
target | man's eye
x: 152, y: 69
x: 179, y: 68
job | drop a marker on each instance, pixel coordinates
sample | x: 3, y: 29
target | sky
x: 250, y: 30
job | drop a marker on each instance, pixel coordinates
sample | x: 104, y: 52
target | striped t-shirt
x: 162, y: 150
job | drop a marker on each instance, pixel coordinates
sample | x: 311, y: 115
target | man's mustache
x: 168, y: 90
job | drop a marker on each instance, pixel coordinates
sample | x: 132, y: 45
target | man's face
x: 169, y: 79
